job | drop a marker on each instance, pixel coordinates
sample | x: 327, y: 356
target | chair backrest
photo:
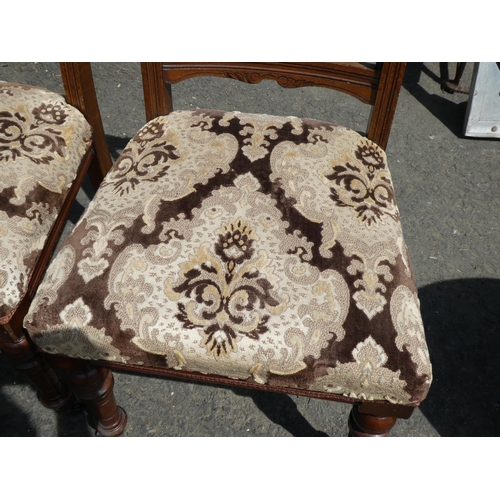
x: 376, y: 84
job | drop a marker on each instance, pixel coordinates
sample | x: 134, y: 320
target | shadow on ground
x: 16, y: 394
x: 14, y: 421
x: 450, y: 114
x: 462, y: 323
x: 281, y: 410
x: 116, y: 145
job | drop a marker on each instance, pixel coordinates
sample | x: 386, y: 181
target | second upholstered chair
x: 46, y: 147
x: 245, y: 249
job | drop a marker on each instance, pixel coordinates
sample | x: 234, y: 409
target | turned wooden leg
x: 94, y: 387
x: 27, y: 360
x: 364, y: 425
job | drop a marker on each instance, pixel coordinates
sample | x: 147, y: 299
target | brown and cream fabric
x: 255, y: 247
x: 42, y: 142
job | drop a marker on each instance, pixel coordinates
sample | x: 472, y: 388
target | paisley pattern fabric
x: 254, y: 247
x: 42, y: 142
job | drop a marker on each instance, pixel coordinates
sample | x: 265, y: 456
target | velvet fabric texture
x: 254, y: 247
x: 42, y: 143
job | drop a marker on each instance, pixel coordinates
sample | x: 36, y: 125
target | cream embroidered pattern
x: 245, y: 246
x: 367, y: 190
x: 228, y: 292
x: 366, y: 377
x: 42, y: 142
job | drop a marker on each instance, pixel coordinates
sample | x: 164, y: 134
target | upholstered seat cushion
x: 255, y: 247
x: 42, y: 142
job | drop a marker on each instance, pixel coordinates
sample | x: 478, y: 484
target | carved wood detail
x: 355, y: 79
x: 377, y: 85
x: 284, y: 81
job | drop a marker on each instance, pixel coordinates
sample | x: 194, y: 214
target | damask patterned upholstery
x: 42, y: 142
x: 254, y: 247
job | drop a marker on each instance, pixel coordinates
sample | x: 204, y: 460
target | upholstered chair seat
x: 261, y: 248
x: 42, y: 143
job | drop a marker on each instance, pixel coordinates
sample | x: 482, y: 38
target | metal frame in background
x: 482, y: 118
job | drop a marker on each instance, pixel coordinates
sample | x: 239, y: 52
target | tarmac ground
x: 447, y: 189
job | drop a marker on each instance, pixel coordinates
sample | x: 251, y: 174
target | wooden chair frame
x: 14, y: 342
x: 378, y: 85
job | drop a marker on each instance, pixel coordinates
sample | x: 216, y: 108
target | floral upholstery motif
x: 42, y: 143
x: 254, y: 247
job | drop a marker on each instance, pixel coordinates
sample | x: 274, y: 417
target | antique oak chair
x: 46, y: 148
x: 257, y: 251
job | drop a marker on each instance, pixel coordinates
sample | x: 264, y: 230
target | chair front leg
x: 93, y: 386
x: 364, y: 425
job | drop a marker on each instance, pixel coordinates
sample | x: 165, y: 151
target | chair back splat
x: 249, y: 250
x: 374, y: 84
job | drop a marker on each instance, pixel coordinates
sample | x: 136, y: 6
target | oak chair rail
x: 381, y: 408
x: 93, y: 383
